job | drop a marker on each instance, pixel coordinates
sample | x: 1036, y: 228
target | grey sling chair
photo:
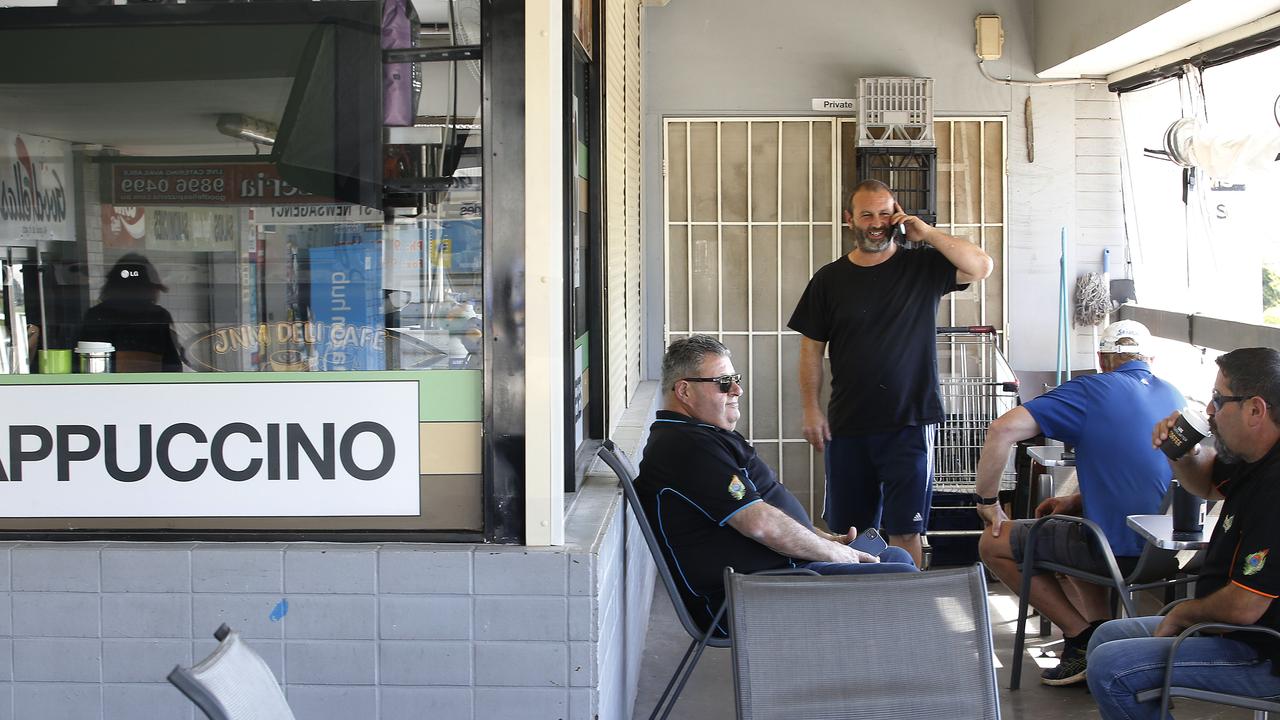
x: 233, y: 683
x: 1156, y: 568
x: 863, y: 647
x: 1167, y: 691
x: 700, y: 639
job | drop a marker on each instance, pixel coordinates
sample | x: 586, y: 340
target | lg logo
x: 126, y: 274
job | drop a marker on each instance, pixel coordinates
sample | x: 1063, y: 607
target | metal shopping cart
x: 977, y: 386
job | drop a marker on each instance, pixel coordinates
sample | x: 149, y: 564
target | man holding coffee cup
x: 1238, y: 581
x: 1107, y: 417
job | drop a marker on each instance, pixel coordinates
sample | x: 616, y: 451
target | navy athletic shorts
x: 881, y: 480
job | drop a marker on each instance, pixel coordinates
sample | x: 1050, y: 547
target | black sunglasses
x: 1219, y: 400
x: 724, y: 382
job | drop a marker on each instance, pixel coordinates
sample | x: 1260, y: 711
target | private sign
x: 835, y: 104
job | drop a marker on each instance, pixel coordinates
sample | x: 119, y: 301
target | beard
x: 1225, y: 453
x: 866, y: 244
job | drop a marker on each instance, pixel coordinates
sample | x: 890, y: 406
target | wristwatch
x: 985, y: 500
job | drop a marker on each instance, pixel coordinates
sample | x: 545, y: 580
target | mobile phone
x: 870, y: 542
x: 898, y: 234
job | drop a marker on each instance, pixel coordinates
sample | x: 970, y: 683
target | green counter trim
x: 583, y: 346
x: 443, y: 395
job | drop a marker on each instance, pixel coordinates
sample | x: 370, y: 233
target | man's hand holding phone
x: 869, y: 541
x: 907, y: 228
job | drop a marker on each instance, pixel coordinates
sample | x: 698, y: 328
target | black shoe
x: 1070, y: 670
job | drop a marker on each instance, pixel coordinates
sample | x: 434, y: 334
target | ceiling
x: 1190, y: 22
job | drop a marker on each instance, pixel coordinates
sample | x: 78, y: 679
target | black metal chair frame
x: 1123, y: 587
x: 1167, y: 691
x: 701, y: 640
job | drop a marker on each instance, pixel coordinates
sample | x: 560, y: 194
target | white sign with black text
x: 314, y: 215
x: 837, y: 105
x: 272, y: 449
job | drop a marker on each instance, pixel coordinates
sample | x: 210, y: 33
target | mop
x: 1093, y: 299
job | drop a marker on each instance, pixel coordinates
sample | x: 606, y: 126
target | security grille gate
x: 752, y: 208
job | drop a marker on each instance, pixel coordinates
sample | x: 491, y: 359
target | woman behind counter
x: 129, y: 318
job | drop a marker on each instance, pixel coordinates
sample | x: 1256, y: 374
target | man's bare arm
x: 972, y: 262
x: 775, y: 529
x: 1009, y: 428
x: 1231, y: 604
x: 816, y: 430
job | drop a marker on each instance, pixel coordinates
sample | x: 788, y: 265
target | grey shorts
x: 1064, y: 543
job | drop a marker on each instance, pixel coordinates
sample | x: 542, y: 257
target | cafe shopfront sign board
x: 202, y: 183
x: 323, y: 449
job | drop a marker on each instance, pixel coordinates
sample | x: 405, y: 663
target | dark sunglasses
x: 1219, y: 400
x: 724, y: 383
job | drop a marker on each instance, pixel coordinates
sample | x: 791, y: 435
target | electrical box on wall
x: 990, y: 37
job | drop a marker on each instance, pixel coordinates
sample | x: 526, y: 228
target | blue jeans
x: 1124, y: 658
x: 893, y: 560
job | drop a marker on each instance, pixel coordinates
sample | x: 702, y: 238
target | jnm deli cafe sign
x: 210, y: 450
x: 36, y: 198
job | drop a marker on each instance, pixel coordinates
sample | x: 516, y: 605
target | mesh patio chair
x: 1156, y: 568
x: 909, y: 645
x: 700, y: 639
x: 233, y: 683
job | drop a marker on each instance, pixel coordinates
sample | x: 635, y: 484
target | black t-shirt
x: 880, y: 326
x: 693, y: 478
x: 1240, y: 549
x: 134, y: 325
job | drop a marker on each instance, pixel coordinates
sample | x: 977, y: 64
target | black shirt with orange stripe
x: 1245, y: 547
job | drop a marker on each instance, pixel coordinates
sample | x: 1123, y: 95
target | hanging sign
x: 197, y: 183
x: 36, y: 194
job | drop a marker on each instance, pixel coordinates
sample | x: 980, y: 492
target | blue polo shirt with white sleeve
x: 1108, y: 418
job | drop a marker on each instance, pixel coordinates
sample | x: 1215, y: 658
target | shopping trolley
x: 976, y: 386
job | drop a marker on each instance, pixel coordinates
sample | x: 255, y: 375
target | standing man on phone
x: 877, y: 307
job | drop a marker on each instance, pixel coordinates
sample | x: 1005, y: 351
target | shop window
x: 207, y: 210
x: 1200, y: 238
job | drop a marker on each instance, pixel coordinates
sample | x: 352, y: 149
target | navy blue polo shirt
x: 693, y: 478
x: 1109, y: 418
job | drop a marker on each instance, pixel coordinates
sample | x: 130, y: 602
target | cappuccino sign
x: 327, y: 449
x: 36, y: 197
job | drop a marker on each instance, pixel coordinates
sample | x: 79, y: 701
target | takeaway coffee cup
x: 1188, y: 511
x: 95, y: 357
x: 1191, y: 428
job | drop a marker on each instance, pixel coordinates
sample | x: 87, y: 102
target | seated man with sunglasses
x: 714, y: 503
x: 1238, y: 582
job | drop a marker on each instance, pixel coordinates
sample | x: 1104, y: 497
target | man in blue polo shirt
x: 714, y: 503
x: 1108, y: 418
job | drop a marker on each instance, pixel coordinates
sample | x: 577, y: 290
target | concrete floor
x: 709, y: 694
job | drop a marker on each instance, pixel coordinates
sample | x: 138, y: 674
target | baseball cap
x: 1139, y: 342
